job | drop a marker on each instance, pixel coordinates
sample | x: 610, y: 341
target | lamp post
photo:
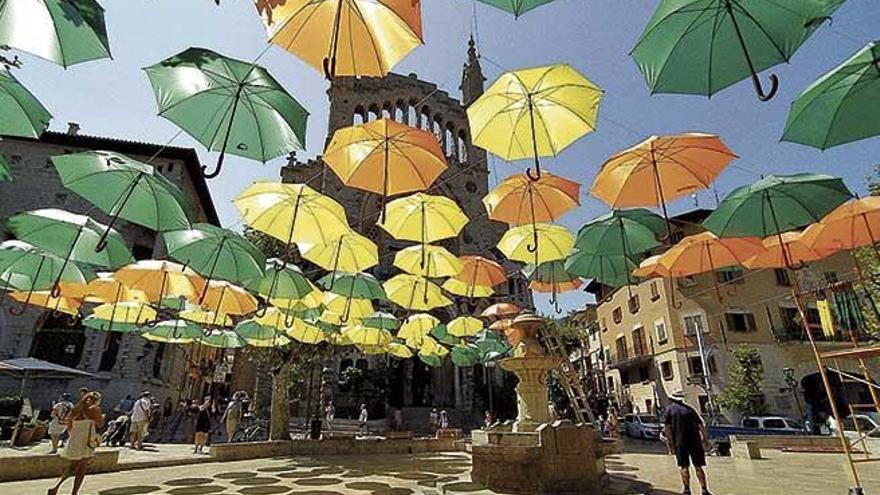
x: 792, y: 383
x: 490, y: 377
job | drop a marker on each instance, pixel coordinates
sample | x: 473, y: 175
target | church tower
x: 472, y: 80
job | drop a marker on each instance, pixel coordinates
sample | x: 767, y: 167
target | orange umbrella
x: 44, y: 299
x: 705, y: 252
x: 385, y: 157
x: 519, y: 200
x: 477, y: 271
x: 661, y: 169
x: 651, y: 268
x: 851, y: 225
x: 556, y: 287
x: 501, y: 310
x: 161, y: 279
x: 224, y: 298
x: 786, y: 250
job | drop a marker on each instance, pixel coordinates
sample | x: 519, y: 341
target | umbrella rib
x: 313, y: 3
x: 259, y: 127
x: 837, y: 114
x: 715, y: 25
x: 761, y: 27
x: 688, y: 30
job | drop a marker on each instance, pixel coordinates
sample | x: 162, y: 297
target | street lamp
x: 792, y: 383
x: 490, y: 377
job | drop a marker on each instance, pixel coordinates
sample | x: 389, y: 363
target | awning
x: 29, y: 367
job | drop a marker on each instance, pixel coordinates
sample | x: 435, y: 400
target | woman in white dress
x: 82, y: 424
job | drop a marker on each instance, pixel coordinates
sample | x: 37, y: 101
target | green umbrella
x: 465, y: 356
x: 250, y: 329
x: 103, y: 325
x: 381, y: 320
x: 628, y: 232
x: 776, y: 204
x: 491, y: 345
x: 516, y: 7
x: 431, y: 360
x: 70, y: 236
x: 280, y: 280
x: 441, y: 333
x: 173, y: 332
x: 355, y: 285
x: 223, y: 339
x: 21, y: 114
x: 216, y: 253
x: 841, y: 106
x: 612, y: 270
x: 5, y: 170
x: 228, y: 105
x: 124, y: 188
x: 703, y: 46
x: 552, y: 274
x: 25, y: 267
x: 66, y: 32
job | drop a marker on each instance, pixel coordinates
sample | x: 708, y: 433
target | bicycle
x: 251, y: 429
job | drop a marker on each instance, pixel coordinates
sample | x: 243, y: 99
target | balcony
x: 630, y: 357
x: 796, y: 333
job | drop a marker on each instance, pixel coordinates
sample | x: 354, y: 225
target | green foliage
x: 743, y: 392
x: 869, y: 260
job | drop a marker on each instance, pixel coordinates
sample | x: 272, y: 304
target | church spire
x: 472, y: 76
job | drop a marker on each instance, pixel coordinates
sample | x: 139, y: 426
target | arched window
x: 437, y: 130
x: 373, y: 113
x: 359, y: 115
x: 425, y: 119
x: 449, y: 142
x: 386, y: 111
x: 462, y: 147
x: 412, y: 116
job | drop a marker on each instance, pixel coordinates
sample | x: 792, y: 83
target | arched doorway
x: 818, y: 407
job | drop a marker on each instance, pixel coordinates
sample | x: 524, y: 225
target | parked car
x: 868, y: 424
x: 642, y: 426
x: 773, y: 424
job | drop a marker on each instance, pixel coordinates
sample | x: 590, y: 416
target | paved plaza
x: 643, y: 470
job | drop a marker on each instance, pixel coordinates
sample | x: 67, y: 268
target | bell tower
x: 472, y: 80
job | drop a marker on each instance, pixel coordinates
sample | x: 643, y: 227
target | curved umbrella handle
x: 289, y: 320
x: 533, y: 247
x: 279, y: 267
x: 774, y: 87
x: 537, y: 176
x: 329, y: 64
x: 216, y: 171
x: 261, y: 311
x: 23, y: 306
x: 55, y: 291
x: 102, y: 242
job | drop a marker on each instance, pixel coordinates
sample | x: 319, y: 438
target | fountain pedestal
x: 534, y: 456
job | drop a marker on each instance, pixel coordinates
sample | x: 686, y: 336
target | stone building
x: 409, y: 100
x: 646, y: 347
x: 122, y: 364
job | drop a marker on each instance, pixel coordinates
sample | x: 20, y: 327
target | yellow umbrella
x: 439, y: 262
x: 136, y: 313
x: 345, y: 37
x: 415, y: 327
x: 398, y: 350
x: 430, y: 347
x: 305, y: 332
x: 534, y: 112
x: 464, y: 326
x: 537, y: 243
x: 459, y: 288
x: 206, y: 318
x: 337, y: 338
x: 292, y: 213
x: 161, y: 279
x: 273, y: 318
x: 651, y: 268
x: 356, y: 308
x: 44, y: 299
x: 225, y: 298
x: 385, y: 157
x: 364, y: 335
x: 276, y: 341
x: 786, y: 250
x: 519, y: 200
x: 423, y: 218
x: 414, y: 292
x: 350, y: 252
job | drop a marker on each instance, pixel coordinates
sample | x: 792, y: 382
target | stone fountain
x: 533, y: 455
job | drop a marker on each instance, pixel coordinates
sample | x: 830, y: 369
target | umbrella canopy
x: 414, y: 292
x: 350, y: 252
x: 66, y: 32
x: 70, y: 236
x: 501, y: 325
x: 305, y: 332
x: 22, y: 114
x: 174, y: 332
x: 428, y: 261
x: 430, y: 347
x: 464, y: 326
x: 292, y: 213
x: 225, y: 298
x: 357, y: 308
x: 477, y: 270
x: 491, y: 345
x: 347, y: 37
x: 839, y: 107
x: 123, y: 317
x: 534, y: 112
x: 465, y: 356
x: 45, y: 299
x: 783, y: 251
x: 612, y: 270
x: 223, y: 339
x: 286, y: 283
x: 364, y: 335
x: 206, y: 318
x: 124, y: 188
x: 853, y: 224
x: 26, y: 267
x: 353, y: 285
x: 776, y: 204
x: 464, y: 289
x: 228, y: 105
x: 536, y: 243
x: 551, y: 277
x: 103, y: 289
x: 431, y: 360
x: 415, y: 327
x: 626, y: 232
x: 385, y: 157
x: 161, y: 279
x: 650, y: 267
x: 216, y: 253
x: 5, y: 170
x: 441, y: 333
x: 501, y: 310
x: 423, y: 218
x: 516, y: 7
x: 382, y: 320
x: 398, y: 350
x: 519, y: 200
x: 705, y: 252
x: 703, y: 46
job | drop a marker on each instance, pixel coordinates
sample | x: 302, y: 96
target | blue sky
x: 114, y: 98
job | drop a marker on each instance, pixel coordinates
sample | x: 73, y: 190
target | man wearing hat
x: 140, y: 419
x: 685, y: 433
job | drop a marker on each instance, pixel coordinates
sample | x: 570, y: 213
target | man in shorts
x: 685, y: 433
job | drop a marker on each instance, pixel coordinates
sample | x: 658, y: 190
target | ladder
x: 569, y: 377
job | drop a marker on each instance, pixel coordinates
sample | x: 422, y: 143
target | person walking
x: 141, y: 412
x: 685, y: 433
x: 613, y: 423
x: 232, y: 416
x: 83, y: 422
x: 58, y: 423
x: 444, y: 420
x: 203, y: 425
x: 126, y: 404
x: 433, y: 421
x: 329, y: 415
x: 362, y: 420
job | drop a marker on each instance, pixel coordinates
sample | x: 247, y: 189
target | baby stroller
x: 117, y: 432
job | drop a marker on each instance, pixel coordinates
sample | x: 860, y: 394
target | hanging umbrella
x: 216, y: 253
x: 123, y: 317
x: 501, y: 310
x: 228, y: 299
x: 430, y: 347
x: 491, y: 346
x: 103, y: 289
x: 27, y: 268
x: 464, y: 326
x: 536, y: 243
x: 124, y: 188
x: 776, y: 204
x: 851, y: 225
x: 501, y: 325
x: 346, y: 37
x: 228, y: 105
x: 431, y: 360
x: 398, y: 350
x: 22, y: 114
x: 703, y: 46
x: 72, y: 237
x: 416, y: 327
x: 45, y: 299
x: 345, y: 310
x: 206, y: 318
x: 363, y: 335
x: 516, y: 7
x: 612, y: 270
x: 223, y: 339
x: 292, y: 213
x: 261, y: 335
x: 306, y: 332
x: 441, y: 333
x: 650, y: 267
x: 626, y: 232
x: 439, y: 262
x: 174, y: 332
x: 414, y: 292
x: 353, y: 285
x: 840, y: 106
x: 286, y: 283
x: 385, y: 157
x: 423, y: 218
x: 519, y: 200
x: 66, y: 32
x: 661, y: 169
x: 382, y: 320
x: 464, y: 289
x: 5, y: 170
x: 465, y: 356
x: 161, y: 280
x: 551, y: 277
x: 535, y: 112
x: 350, y: 252
x: 785, y: 251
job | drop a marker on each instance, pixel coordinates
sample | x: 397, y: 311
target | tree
x: 743, y: 392
x: 869, y: 259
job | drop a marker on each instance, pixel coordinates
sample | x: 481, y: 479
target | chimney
x: 73, y: 129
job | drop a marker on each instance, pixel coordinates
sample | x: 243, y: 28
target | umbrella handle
x: 102, y: 242
x: 289, y: 320
x: 329, y: 68
x: 533, y: 247
x: 216, y: 171
x: 23, y: 306
x: 774, y: 87
x: 261, y: 312
x: 537, y: 176
x: 56, y: 290
x: 800, y: 265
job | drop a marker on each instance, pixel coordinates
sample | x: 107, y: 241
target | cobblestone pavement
x: 634, y: 473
